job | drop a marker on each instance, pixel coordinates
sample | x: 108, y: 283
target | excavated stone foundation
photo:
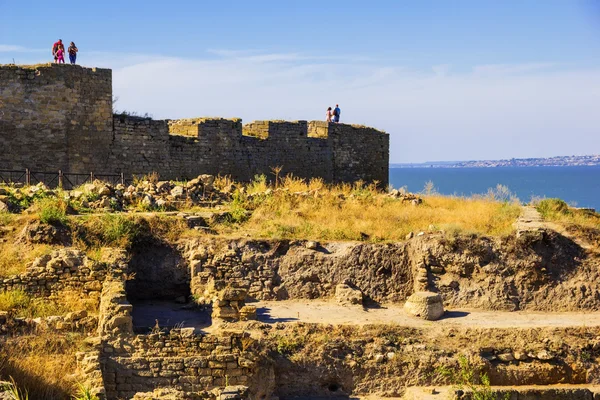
x: 221, y: 286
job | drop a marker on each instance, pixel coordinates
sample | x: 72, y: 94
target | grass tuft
x: 20, y: 304
x: 13, y: 391
x: 14, y: 301
x: 107, y: 230
x: 84, y: 393
x: 53, y: 211
x: 553, y: 208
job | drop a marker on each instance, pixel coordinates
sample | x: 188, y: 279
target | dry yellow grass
x: 14, y: 258
x: 312, y: 210
x: 20, y: 304
x: 41, y: 364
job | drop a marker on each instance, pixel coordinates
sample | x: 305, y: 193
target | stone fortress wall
x: 59, y: 117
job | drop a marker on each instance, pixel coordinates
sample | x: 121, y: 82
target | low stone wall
x: 61, y: 270
x: 178, y: 360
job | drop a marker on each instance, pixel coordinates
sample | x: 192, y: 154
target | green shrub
x: 237, y: 212
x: 53, y: 211
x: 22, y: 200
x: 84, y: 393
x: 553, y: 207
x: 119, y: 229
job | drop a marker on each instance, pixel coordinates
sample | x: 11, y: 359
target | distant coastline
x: 559, y: 161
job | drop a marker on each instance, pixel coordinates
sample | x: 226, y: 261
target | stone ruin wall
x: 282, y: 270
x: 178, y: 360
x: 62, y: 270
x: 60, y: 117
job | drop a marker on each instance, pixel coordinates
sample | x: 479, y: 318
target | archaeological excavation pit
x: 159, y: 290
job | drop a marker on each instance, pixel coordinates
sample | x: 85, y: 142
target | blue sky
x: 449, y: 80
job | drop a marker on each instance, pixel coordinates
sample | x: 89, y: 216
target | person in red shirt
x: 55, y: 47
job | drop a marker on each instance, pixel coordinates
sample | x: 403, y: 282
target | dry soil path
x: 530, y: 220
x: 329, y: 312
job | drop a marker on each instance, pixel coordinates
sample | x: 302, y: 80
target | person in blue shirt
x: 336, y: 113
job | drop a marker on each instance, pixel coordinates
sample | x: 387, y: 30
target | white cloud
x: 9, y: 48
x: 511, y: 69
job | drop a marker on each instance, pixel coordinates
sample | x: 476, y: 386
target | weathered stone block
x: 425, y: 305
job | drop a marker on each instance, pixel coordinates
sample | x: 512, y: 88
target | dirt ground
x: 329, y: 312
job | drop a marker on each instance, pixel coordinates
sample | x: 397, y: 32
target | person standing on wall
x: 57, y: 45
x: 336, y: 114
x: 73, y: 53
x: 60, y: 55
x: 328, y: 114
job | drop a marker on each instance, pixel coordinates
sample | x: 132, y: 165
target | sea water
x: 578, y: 186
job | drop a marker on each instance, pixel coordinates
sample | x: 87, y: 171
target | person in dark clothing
x: 73, y: 53
x: 336, y: 113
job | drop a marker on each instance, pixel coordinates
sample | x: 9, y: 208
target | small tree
x: 276, y: 171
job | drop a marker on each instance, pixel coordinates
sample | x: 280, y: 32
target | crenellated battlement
x: 60, y: 117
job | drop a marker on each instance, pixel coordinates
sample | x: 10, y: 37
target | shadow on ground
x: 148, y: 314
x: 263, y: 315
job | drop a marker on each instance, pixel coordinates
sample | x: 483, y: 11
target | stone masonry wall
x: 215, y: 148
x: 359, y: 152
x: 178, y: 359
x: 185, y: 148
x: 287, y: 145
x: 55, y: 117
x: 60, y: 117
x: 139, y: 146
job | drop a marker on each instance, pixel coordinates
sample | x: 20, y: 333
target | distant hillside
x: 559, y: 161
